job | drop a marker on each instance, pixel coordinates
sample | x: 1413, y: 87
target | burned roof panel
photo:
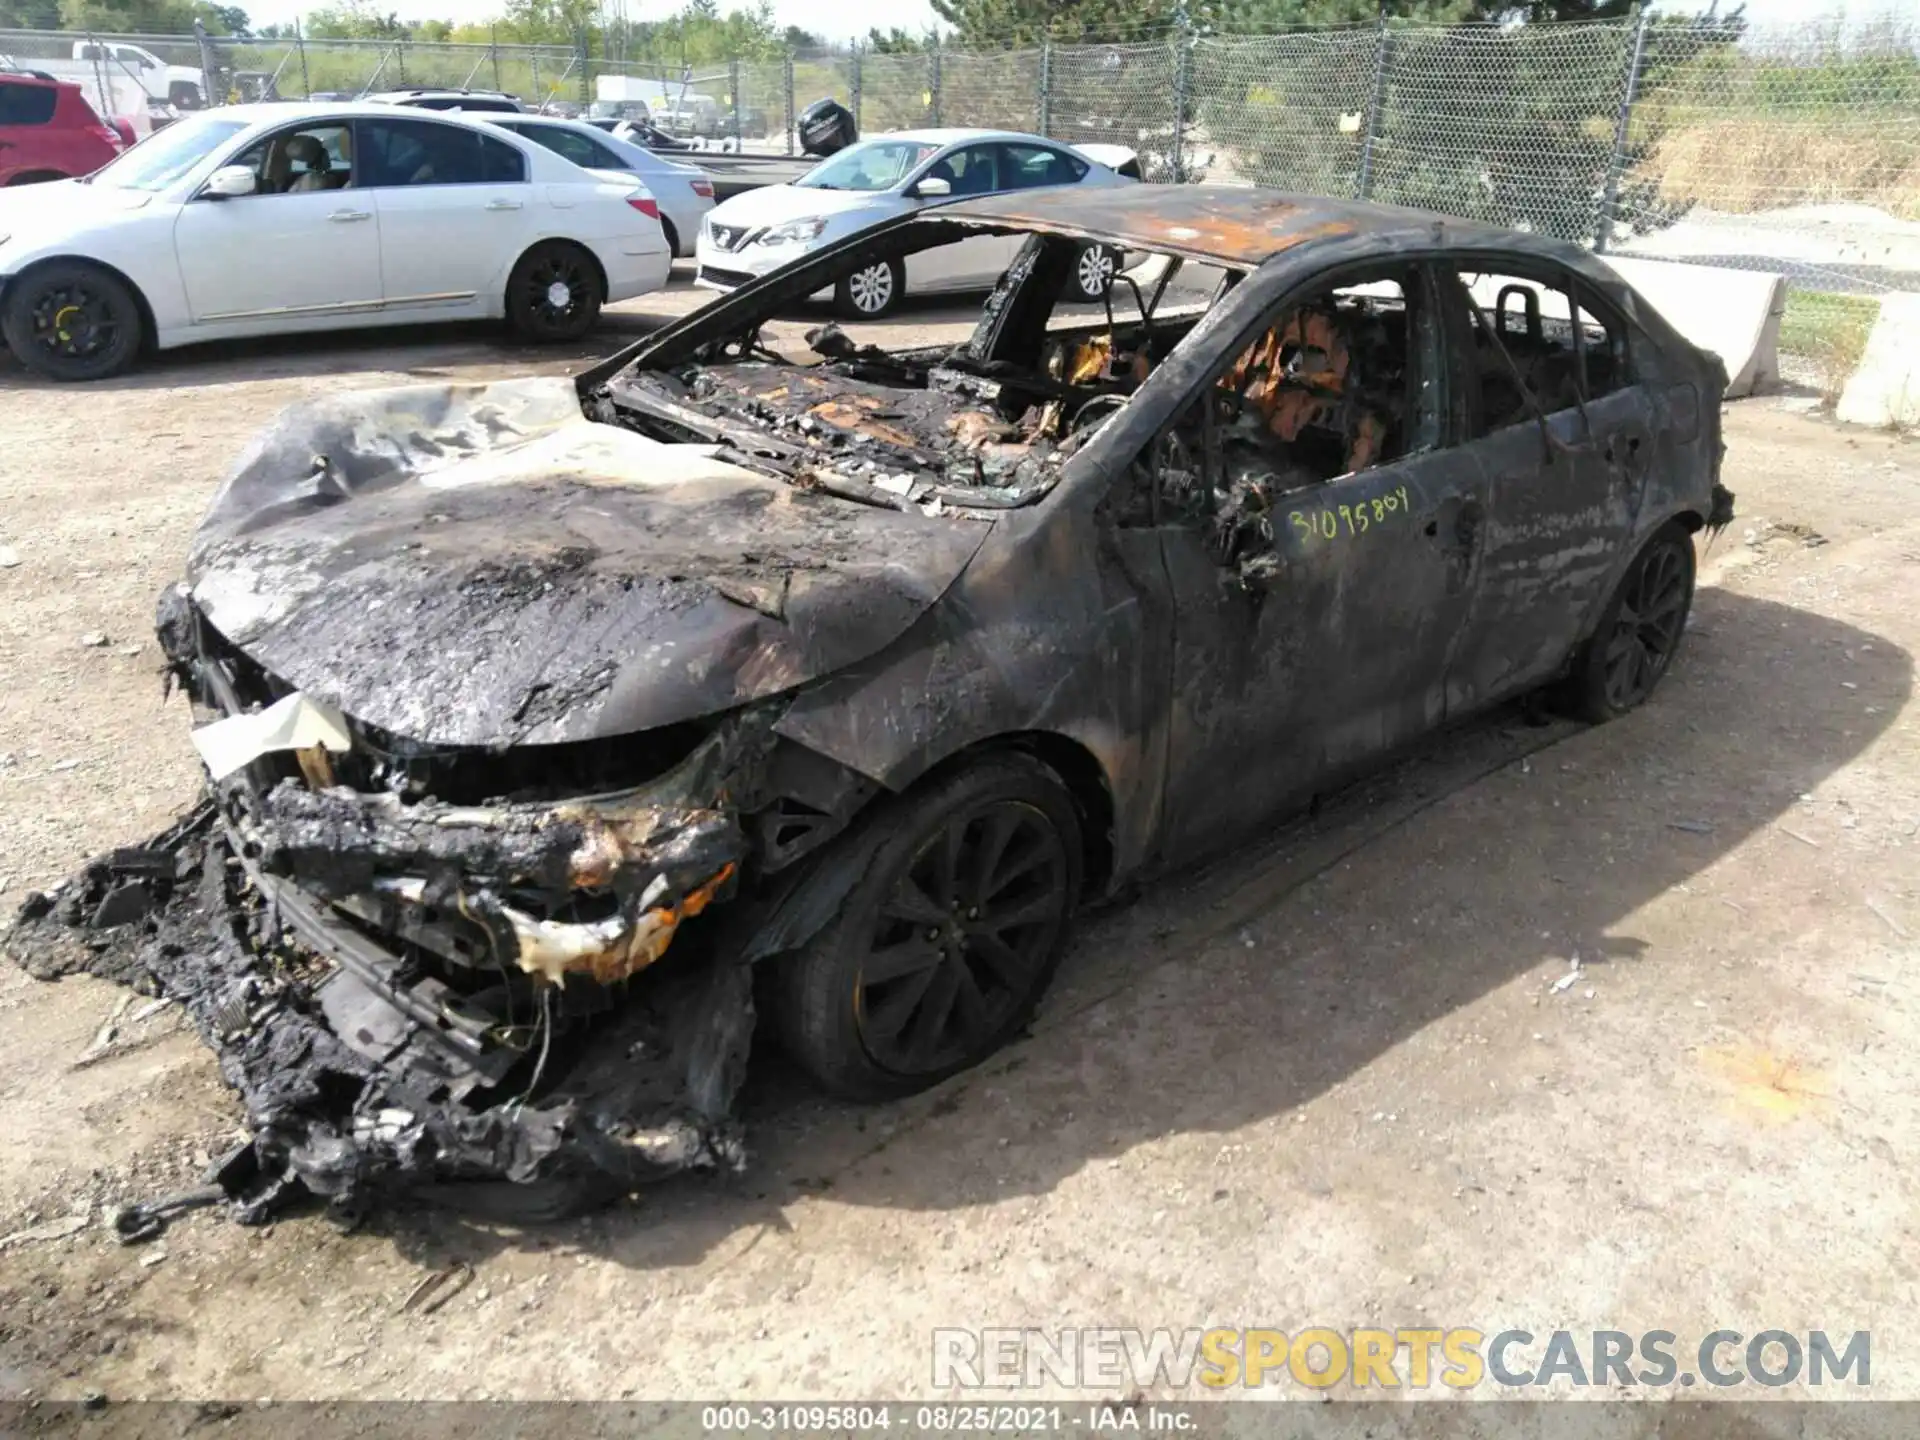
x: 1229, y: 224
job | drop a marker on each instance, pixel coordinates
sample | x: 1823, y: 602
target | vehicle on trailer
x: 886, y: 177
x: 683, y: 191
x: 49, y: 132
x: 277, y: 218
x: 556, y: 727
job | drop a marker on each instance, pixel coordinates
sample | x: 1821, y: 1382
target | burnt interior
x: 979, y: 425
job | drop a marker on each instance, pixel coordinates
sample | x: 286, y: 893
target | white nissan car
x: 264, y: 219
x: 888, y: 175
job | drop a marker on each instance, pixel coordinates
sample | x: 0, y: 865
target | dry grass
x: 1831, y: 332
x: 1747, y: 164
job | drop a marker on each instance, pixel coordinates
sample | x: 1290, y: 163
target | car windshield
x: 876, y: 165
x: 164, y: 156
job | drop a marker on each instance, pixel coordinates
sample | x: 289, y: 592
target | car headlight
x: 794, y: 232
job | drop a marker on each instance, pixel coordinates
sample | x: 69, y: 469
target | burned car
x: 559, y: 730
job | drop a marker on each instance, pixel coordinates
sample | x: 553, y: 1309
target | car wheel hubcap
x: 1096, y: 271
x: 962, y: 938
x: 871, y: 288
x: 72, y: 321
x: 1647, y: 627
x: 557, y: 290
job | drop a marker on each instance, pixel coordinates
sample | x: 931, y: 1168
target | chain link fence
x: 1794, y: 148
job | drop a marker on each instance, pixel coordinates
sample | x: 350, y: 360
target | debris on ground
x: 49, y: 1230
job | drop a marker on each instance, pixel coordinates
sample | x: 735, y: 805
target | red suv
x: 48, y: 131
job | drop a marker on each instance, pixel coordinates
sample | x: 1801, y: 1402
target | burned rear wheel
x: 72, y: 321
x: 554, y: 293
x: 943, y: 948
x: 1634, y: 644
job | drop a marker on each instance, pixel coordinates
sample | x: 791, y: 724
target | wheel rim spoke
x: 896, y: 962
x: 912, y: 904
x: 1001, y: 918
x: 946, y: 965
x: 887, y: 1017
x: 930, y: 1020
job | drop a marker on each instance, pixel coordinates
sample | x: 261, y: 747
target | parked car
x: 49, y: 132
x: 882, y: 179
x: 684, y: 192
x: 489, y: 102
x: 258, y: 219
x: 553, y: 721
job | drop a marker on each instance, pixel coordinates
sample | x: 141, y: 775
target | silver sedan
x: 684, y: 192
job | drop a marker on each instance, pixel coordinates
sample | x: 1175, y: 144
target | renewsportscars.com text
x: 1415, y: 1357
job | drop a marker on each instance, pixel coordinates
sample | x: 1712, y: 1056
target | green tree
x: 894, y: 42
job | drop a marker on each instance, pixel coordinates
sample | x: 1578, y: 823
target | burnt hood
x: 484, y: 566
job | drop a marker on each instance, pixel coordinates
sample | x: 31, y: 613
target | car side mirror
x: 932, y: 187
x: 230, y: 182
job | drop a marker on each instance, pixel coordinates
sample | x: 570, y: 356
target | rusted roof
x: 1231, y: 224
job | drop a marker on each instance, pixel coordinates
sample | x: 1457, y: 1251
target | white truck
x: 181, y: 86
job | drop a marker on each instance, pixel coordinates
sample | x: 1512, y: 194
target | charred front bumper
x: 411, y: 993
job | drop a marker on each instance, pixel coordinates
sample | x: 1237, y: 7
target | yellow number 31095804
x: 1329, y: 522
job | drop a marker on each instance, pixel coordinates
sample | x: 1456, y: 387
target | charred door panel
x: 1341, y: 655
x: 1558, y: 518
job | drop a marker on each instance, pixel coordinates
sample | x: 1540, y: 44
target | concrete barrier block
x: 1734, y: 313
x: 1885, y: 387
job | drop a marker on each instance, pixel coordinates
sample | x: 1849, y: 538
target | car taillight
x: 646, y: 205
x: 702, y: 188
x: 108, y: 134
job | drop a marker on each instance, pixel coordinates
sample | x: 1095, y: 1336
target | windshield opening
x: 873, y: 165
x: 980, y: 423
x: 166, y: 155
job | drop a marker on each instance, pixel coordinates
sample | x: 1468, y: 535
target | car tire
x: 941, y: 873
x: 1633, y: 646
x: 872, y: 293
x: 554, y: 293
x: 72, y: 321
x: 671, y: 236
x: 1093, y: 271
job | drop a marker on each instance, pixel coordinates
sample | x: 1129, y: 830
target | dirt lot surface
x: 1331, y: 1081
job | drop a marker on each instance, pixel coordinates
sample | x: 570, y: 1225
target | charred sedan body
x: 551, y: 724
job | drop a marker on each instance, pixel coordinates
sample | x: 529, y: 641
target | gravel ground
x: 1329, y: 1081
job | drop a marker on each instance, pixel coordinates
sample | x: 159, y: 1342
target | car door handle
x: 347, y: 217
x: 503, y: 205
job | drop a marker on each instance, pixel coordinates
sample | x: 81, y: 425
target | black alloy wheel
x: 1639, y: 632
x: 963, y: 938
x: 940, y: 951
x: 554, y: 293
x: 72, y: 321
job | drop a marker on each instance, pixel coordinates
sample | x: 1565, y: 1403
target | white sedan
x: 267, y: 219
x: 684, y: 192
x: 877, y: 179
